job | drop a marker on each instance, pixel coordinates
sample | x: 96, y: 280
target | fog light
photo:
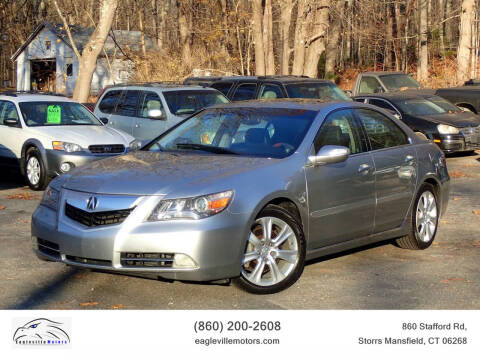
x: 65, y: 167
x: 183, y: 261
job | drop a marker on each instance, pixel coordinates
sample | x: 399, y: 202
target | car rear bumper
x: 195, y: 250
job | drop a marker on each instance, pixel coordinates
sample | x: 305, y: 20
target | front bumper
x: 215, y: 244
x: 456, y: 143
x: 56, y: 158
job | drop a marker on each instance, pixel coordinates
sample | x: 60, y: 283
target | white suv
x: 48, y: 135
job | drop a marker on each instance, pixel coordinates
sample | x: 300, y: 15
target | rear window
x: 245, y: 92
x: 109, y: 101
x: 189, y: 101
x: 311, y: 90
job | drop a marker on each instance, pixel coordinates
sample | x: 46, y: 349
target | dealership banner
x: 239, y: 334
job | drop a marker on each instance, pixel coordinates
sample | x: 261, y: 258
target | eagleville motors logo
x: 41, y: 332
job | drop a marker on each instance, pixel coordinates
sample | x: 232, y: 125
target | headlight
x: 447, y: 129
x: 66, y: 146
x: 50, y: 198
x: 135, y: 145
x: 191, y: 208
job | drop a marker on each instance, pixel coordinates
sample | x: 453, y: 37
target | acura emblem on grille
x: 92, y: 203
x: 108, y: 148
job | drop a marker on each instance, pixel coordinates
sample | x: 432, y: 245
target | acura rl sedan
x: 248, y: 190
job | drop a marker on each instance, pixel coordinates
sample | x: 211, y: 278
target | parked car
x: 465, y: 97
x: 49, y: 135
x: 251, y: 190
x: 146, y: 110
x: 238, y: 88
x: 435, y: 118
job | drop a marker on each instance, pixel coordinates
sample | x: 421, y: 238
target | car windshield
x: 260, y: 132
x: 187, y: 102
x: 419, y: 106
x: 399, y: 81
x: 312, y: 90
x: 444, y: 104
x: 56, y: 113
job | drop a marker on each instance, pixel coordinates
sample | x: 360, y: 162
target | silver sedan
x: 251, y: 191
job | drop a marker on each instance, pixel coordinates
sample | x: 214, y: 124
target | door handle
x: 409, y: 159
x: 364, y: 168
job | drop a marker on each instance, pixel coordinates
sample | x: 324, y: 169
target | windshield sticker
x: 54, y: 114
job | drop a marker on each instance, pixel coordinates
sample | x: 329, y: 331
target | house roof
x: 126, y: 40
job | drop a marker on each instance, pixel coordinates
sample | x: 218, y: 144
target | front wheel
x: 35, y: 172
x: 275, y: 253
x: 423, y: 222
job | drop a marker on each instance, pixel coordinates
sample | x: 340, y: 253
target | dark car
x: 452, y: 129
x: 465, y: 97
x: 238, y: 88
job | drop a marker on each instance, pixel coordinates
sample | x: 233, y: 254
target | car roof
x: 278, y: 78
x: 286, y: 103
x: 378, y: 73
x: 401, y: 95
x: 32, y: 97
x: 161, y: 86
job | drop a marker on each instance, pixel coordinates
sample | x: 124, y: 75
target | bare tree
x: 258, y: 37
x: 422, y: 71
x: 467, y: 17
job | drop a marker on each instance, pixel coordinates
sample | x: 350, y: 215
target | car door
x: 107, y: 105
x: 341, y: 196
x: 11, y: 139
x: 395, y: 168
x: 126, y: 111
x: 245, y: 91
x: 147, y: 128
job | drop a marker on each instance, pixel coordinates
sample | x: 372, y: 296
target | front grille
x: 87, y: 261
x: 164, y: 260
x: 48, y: 247
x: 96, y: 218
x: 107, y: 149
x: 471, y: 135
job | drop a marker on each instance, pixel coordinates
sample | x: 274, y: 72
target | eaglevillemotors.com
x: 41, y: 331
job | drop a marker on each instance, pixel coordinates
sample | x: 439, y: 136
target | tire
x: 421, y: 236
x: 35, y: 171
x: 268, y: 271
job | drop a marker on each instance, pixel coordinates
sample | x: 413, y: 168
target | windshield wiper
x: 209, y: 148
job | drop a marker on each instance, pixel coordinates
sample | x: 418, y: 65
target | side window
x: 270, y: 91
x: 340, y: 128
x: 369, y: 84
x: 245, y: 92
x: 223, y: 87
x: 149, y: 101
x: 7, y: 111
x: 109, y: 101
x: 128, y: 103
x: 382, y: 104
x: 382, y: 132
x: 360, y: 100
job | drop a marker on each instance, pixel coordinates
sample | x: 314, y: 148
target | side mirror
x: 104, y: 120
x: 11, y: 122
x: 155, y: 114
x: 330, y: 154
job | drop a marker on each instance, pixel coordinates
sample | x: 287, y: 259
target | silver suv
x: 147, y: 110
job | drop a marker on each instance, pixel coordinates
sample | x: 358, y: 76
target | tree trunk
x: 88, y: 60
x: 465, y: 40
x: 258, y: 37
x: 316, y: 41
x: 422, y: 72
x: 333, y: 42
x: 268, y: 39
x: 185, y: 33
x: 299, y: 44
x: 286, y: 20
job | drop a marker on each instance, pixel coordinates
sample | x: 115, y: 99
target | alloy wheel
x: 272, y: 252
x: 426, y: 218
x: 33, y: 170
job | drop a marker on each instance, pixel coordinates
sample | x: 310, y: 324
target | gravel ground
x: 445, y: 276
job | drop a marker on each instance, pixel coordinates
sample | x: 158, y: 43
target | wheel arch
x: 468, y: 106
x: 27, y: 145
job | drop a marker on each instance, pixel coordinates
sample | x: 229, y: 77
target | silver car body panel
x: 339, y: 208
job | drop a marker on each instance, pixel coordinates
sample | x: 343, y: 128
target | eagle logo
x: 41, y: 330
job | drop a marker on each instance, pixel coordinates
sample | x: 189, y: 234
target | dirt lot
x: 446, y: 276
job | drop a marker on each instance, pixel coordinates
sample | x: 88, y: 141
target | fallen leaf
x: 458, y: 174
x: 116, y: 307
x: 89, y: 303
x: 476, y: 212
x: 457, y: 198
x: 449, y: 280
x: 2, y: 207
x: 23, y: 196
x: 476, y: 243
x: 444, y: 222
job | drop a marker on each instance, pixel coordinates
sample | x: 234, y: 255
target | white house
x: 47, y: 62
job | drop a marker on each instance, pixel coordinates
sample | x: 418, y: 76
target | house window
x: 48, y: 45
x: 69, y: 70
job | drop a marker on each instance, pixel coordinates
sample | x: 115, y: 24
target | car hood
x: 84, y: 135
x: 462, y: 119
x: 149, y: 173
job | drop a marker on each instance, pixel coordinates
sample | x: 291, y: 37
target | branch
x: 67, y: 29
